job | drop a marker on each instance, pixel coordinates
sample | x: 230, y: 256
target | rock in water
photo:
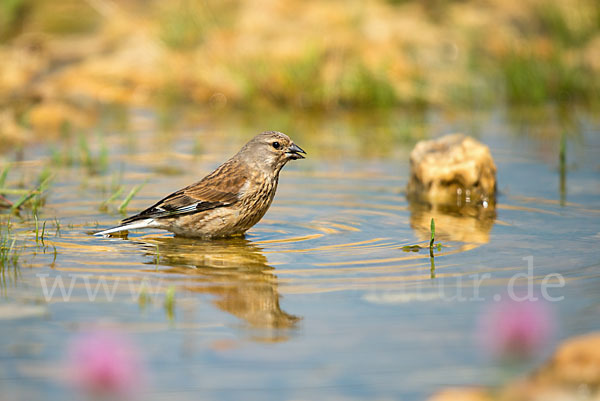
x: 571, y: 374
x: 575, y: 363
x: 452, y: 170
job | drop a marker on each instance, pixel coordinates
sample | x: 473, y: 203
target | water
x: 319, y: 301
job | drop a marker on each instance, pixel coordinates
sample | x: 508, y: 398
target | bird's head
x: 271, y: 150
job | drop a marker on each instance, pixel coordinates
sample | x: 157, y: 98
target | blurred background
x: 64, y: 62
x: 107, y: 106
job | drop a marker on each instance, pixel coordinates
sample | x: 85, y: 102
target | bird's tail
x: 145, y: 223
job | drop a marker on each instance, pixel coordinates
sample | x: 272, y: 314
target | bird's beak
x: 294, y: 152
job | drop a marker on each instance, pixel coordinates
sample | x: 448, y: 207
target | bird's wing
x: 220, y: 188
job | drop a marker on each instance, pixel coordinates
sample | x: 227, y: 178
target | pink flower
x: 515, y: 329
x: 105, y: 364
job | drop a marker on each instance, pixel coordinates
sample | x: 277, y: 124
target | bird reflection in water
x: 235, y: 271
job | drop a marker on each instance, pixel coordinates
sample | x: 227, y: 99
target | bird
x: 228, y: 201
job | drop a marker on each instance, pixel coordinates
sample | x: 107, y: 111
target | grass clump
x: 552, y: 61
x: 4, y: 202
x: 95, y: 164
x: 35, y: 198
x: 82, y: 155
x: 553, y: 22
x: 534, y: 80
x: 303, y: 82
x: 295, y: 81
x: 362, y: 87
x: 9, y: 254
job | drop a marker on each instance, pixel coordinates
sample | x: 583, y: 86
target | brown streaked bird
x: 228, y: 201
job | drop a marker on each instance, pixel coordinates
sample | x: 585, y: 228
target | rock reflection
x: 234, y: 270
x: 452, y: 223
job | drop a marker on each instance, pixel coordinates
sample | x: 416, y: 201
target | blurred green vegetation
x: 64, y: 60
x: 553, y: 63
x: 181, y: 26
x: 531, y: 80
x: 11, y: 15
x: 68, y: 17
x: 359, y: 86
x: 552, y: 23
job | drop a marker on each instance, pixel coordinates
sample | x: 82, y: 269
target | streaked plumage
x: 229, y: 200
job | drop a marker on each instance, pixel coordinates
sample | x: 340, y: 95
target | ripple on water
x: 346, y: 232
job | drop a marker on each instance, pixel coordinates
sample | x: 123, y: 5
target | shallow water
x: 319, y: 301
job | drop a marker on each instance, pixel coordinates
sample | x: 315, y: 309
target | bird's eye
x: 276, y: 145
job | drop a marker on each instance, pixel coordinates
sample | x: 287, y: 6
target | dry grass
x: 293, y: 54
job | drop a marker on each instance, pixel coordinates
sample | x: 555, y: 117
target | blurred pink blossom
x: 105, y: 364
x: 515, y: 329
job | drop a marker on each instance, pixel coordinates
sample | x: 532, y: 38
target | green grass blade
x: 432, y: 234
x: 129, y: 197
x: 3, y: 176
x: 37, y: 228
x: 22, y: 200
x: 114, y: 196
x: 41, y: 187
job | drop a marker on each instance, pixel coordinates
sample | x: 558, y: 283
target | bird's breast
x: 258, y: 192
x: 256, y: 200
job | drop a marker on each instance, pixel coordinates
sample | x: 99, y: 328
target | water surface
x: 318, y: 301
